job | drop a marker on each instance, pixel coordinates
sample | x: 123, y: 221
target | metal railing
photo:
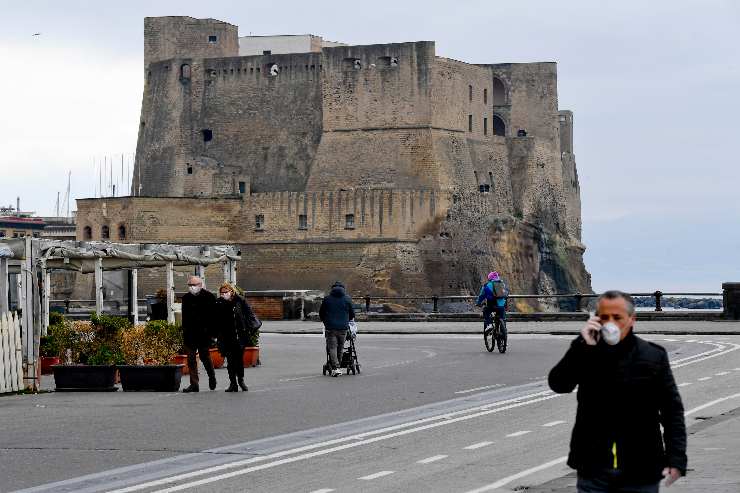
x: 578, y: 298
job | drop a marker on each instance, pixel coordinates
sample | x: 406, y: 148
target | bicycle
x: 496, y: 334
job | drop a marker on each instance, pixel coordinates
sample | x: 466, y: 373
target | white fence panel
x: 11, y: 354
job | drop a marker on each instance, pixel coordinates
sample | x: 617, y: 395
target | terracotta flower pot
x: 251, y: 356
x: 216, y: 358
x: 47, y: 362
x: 181, y: 359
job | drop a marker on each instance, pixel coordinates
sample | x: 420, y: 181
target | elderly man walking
x: 336, y: 311
x: 198, y: 308
x: 626, y: 392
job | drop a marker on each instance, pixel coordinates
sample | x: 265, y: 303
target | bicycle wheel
x: 502, y: 339
x: 488, y: 337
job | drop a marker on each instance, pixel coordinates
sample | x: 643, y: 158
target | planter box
x: 251, y: 356
x: 47, y: 362
x: 85, y: 378
x: 182, y: 359
x: 157, y: 378
x: 216, y: 358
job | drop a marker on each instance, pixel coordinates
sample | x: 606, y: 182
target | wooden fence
x: 11, y: 354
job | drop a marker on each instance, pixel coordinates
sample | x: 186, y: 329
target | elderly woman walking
x: 234, y: 321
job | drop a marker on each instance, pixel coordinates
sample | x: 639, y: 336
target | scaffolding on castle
x: 31, y: 260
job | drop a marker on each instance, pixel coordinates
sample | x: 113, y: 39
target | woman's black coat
x: 232, y: 326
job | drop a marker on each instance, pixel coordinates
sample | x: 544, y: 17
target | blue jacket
x: 336, y: 310
x: 486, y: 294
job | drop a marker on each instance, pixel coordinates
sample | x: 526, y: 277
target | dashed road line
x: 684, y: 384
x: 323, y: 490
x: 553, y: 423
x: 518, y: 433
x: 519, y: 475
x: 722, y: 374
x: 704, y: 379
x: 377, y: 475
x: 477, y: 445
x: 431, y: 459
x: 480, y: 388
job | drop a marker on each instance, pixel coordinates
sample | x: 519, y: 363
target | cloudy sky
x: 654, y: 87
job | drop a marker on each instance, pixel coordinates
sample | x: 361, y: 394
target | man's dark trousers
x: 609, y: 482
x: 205, y: 357
x: 335, y: 346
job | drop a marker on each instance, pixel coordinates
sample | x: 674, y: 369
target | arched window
x: 87, y: 233
x: 499, y: 127
x: 185, y: 71
x: 499, y: 92
x: 105, y: 233
x: 121, y: 232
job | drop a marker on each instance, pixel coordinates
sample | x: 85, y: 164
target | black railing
x: 578, y: 298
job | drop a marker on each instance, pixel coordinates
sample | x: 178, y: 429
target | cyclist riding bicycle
x: 494, y: 293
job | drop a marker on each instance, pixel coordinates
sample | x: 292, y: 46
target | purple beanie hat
x: 493, y: 276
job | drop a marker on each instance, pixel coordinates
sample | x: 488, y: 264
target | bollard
x: 658, y: 295
x: 367, y: 303
x: 435, y: 304
x: 579, y: 301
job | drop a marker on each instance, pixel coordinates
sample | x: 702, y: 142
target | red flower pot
x: 46, y: 362
x: 251, y: 356
x: 216, y: 358
x: 181, y: 359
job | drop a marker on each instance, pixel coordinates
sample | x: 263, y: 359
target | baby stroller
x: 349, y: 355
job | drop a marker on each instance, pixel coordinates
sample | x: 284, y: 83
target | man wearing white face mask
x: 198, y: 306
x: 626, y: 392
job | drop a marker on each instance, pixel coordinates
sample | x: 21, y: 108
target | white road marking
x: 695, y: 359
x: 480, y: 388
x: 704, y: 379
x: 477, y: 445
x: 684, y: 384
x: 711, y: 403
x: 431, y: 459
x: 355, y: 441
x: 691, y: 340
x: 553, y: 423
x: 298, y: 378
x: 670, y: 340
x: 376, y: 475
x: 722, y: 373
x: 514, y: 477
x: 324, y: 490
x: 518, y: 433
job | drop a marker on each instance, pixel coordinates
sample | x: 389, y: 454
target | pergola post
x: 170, y: 292
x: 29, y: 331
x: 98, y: 286
x: 200, y: 271
x: 226, y: 271
x: 4, y: 287
x: 134, y: 295
x: 46, y: 276
x: 232, y: 272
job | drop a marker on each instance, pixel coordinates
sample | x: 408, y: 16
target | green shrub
x: 155, y: 343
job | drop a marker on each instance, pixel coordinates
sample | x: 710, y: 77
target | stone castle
x: 396, y: 170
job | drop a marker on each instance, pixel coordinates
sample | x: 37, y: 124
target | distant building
x: 280, y: 45
x: 18, y: 227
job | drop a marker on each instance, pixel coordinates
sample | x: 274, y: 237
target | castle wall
x: 186, y: 37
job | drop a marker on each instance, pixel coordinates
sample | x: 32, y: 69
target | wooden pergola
x: 33, y: 259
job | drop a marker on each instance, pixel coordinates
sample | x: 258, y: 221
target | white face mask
x: 226, y: 296
x: 610, y: 333
x: 194, y: 289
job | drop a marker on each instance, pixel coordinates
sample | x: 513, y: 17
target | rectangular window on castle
x: 485, y: 96
x: 470, y: 93
x: 259, y: 222
x: 485, y: 126
x: 302, y: 221
x: 213, y: 38
x: 242, y: 187
x: 470, y: 123
x: 349, y: 221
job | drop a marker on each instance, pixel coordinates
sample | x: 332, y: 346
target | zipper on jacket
x: 614, y: 453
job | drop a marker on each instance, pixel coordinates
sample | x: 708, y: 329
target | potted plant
x: 252, y: 349
x: 91, y: 349
x: 147, y: 351
x: 49, y: 347
x: 216, y: 357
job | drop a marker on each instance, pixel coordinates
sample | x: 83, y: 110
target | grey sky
x: 653, y: 85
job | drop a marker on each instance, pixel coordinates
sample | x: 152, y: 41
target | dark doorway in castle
x: 105, y: 233
x: 499, y: 127
x: 87, y: 233
x: 499, y: 92
x: 207, y: 134
x: 121, y: 232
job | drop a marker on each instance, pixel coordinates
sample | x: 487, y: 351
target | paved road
x: 431, y: 412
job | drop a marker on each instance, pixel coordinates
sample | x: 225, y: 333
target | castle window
x: 190, y: 169
x: 274, y: 69
x: 302, y: 221
x: 87, y: 233
x: 484, y: 188
x: 350, y: 64
x: 259, y: 222
x: 242, y: 187
x: 267, y: 52
x: 213, y: 38
x: 387, y: 61
x: 105, y: 232
x: 121, y: 232
x: 499, y: 92
x: 521, y: 133
x: 470, y: 123
x: 185, y: 71
x: 470, y: 93
x: 499, y: 127
x: 485, y: 96
x: 207, y: 134
x: 485, y: 126
x: 349, y: 221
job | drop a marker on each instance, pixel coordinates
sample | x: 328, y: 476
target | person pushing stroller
x: 336, y: 312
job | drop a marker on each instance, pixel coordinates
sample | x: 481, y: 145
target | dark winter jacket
x: 197, y: 318
x: 232, y: 323
x: 625, y: 392
x: 336, y: 309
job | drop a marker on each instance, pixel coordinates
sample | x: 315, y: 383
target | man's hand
x: 591, y: 330
x: 671, y: 474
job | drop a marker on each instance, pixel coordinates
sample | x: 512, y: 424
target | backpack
x: 499, y: 289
